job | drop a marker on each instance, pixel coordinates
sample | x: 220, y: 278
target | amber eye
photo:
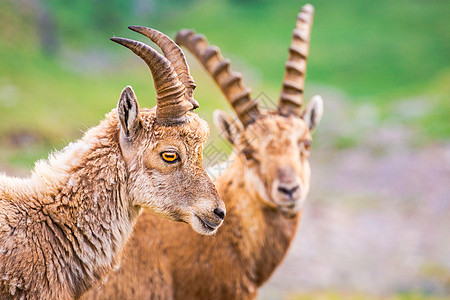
x: 307, y: 144
x: 248, y: 154
x: 169, y: 157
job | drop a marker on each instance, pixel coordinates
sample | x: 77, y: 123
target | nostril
x: 219, y: 213
x: 287, y: 191
x: 294, y: 189
x: 283, y: 190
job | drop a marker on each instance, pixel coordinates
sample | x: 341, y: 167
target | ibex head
x: 162, y: 147
x: 272, y: 146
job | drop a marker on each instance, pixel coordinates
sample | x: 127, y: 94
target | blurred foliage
x: 377, y: 51
x: 364, y: 47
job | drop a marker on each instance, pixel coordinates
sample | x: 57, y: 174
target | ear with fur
x: 128, y: 111
x: 228, y: 127
x: 312, y: 114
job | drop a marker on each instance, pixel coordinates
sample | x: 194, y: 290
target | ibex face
x: 165, y: 166
x: 274, y: 146
x: 162, y: 147
x: 274, y: 151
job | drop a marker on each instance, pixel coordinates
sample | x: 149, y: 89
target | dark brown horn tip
x: 134, y: 27
x: 119, y: 40
x: 139, y: 29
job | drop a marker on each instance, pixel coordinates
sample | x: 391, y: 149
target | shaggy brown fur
x: 168, y: 261
x: 62, y: 229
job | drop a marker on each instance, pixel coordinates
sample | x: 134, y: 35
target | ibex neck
x: 263, y: 235
x: 93, y: 204
x: 77, y: 213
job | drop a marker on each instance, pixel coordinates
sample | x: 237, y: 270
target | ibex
x: 62, y: 230
x: 264, y: 189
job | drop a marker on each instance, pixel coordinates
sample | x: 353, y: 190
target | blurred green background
x: 59, y: 73
x: 387, y: 61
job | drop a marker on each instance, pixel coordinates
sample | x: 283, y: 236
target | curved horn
x: 171, y: 104
x: 175, y: 55
x: 229, y: 82
x: 291, y: 97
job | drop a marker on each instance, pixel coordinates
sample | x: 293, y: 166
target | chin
x: 203, y: 225
x: 290, y: 213
x: 290, y: 210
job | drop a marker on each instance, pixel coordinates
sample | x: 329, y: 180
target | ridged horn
x: 175, y: 55
x: 229, y: 82
x: 291, y: 96
x: 172, y: 105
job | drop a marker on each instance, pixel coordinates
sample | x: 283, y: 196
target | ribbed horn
x: 172, y: 105
x: 291, y: 96
x: 175, y: 55
x: 229, y: 82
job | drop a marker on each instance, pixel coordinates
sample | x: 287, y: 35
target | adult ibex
x: 264, y: 189
x: 62, y: 230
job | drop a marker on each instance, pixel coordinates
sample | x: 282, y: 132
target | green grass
x: 366, y: 48
x: 436, y: 124
x: 377, y: 51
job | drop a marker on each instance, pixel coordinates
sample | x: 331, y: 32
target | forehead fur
x: 273, y: 126
x: 194, y: 131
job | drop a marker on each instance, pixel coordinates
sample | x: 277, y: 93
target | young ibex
x: 264, y: 190
x: 62, y: 229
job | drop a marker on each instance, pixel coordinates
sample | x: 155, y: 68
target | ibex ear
x: 128, y: 111
x: 312, y: 114
x: 228, y: 127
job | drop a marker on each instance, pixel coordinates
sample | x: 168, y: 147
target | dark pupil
x: 169, y: 156
x: 248, y: 154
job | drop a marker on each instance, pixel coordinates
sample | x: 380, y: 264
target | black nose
x: 219, y: 213
x: 287, y: 191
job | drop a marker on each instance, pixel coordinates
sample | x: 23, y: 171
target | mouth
x: 289, y: 210
x: 207, y: 224
x: 290, y: 206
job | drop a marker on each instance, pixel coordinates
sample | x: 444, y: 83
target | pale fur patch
x: 55, y: 170
x: 254, y: 182
x: 313, y: 112
x: 48, y: 174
